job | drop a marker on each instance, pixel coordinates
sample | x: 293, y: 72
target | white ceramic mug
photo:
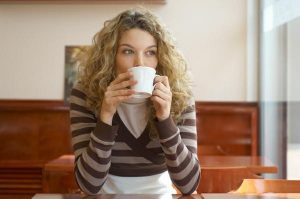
x: 144, y: 76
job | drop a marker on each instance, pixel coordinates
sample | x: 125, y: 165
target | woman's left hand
x: 162, y: 97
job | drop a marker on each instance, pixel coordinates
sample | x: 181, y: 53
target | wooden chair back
x: 223, y: 180
x: 257, y: 186
x: 227, y: 128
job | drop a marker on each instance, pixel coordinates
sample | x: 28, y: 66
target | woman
x: 126, y: 146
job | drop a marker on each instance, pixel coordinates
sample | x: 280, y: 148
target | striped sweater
x: 101, y: 149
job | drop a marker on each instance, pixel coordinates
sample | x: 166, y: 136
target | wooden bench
x: 21, y: 177
x: 227, y: 128
x: 31, y: 133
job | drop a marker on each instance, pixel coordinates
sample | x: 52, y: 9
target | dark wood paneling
x: 31, y: 133
x: 227, y: 128
x: 20, y: 177
x: 34, y: 130
x: 40, y: 129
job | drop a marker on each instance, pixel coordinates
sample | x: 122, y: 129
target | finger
x: 119, y: 99
x: 159, y: 101
x: 163, y: 95
x: 162, y: 87
x: 121, y: 77
x: 121, y: 85
x: 162, y: 79
x: 123, y: 92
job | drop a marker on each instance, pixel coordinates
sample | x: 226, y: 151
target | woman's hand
x: 162, y: 97
x: 117, y: 92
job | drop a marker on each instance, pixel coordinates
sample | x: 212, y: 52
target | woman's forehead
x: 137, y: 37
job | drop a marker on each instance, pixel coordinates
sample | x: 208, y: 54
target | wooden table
x: 255, y: 164
x: 194, y: 196
x: 59, y: 177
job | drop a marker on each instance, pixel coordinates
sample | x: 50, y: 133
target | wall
x: 293, y: 98
x: 211, y: 34
x: 293, y: 88
x: 293, y: 60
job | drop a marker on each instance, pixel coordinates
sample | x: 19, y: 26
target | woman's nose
x: 139, y: 61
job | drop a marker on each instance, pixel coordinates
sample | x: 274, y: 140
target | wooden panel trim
x: 33, y: 105
x: 225, y: 106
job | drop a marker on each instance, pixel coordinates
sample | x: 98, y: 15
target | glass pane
x: 280, y: 85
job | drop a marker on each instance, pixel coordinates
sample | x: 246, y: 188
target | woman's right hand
x: 117, y: 92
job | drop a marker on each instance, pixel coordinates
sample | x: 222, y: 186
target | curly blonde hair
x: 98, y: 70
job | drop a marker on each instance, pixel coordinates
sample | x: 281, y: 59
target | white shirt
x: 134, y: 115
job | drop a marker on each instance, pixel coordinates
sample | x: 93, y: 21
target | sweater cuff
x: 106, y: 132
x: 166, y: 128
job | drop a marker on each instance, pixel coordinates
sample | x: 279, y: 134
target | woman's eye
x: 128, y: 51
x: 151, y: 52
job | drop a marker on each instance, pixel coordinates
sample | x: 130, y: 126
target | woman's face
x: 136, y: 48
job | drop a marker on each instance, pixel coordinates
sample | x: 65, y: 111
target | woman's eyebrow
x: 127, y: 45
x: 130, y: 46
x: 153, y: 46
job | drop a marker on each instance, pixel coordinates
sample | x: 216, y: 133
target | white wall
x: 293, y: 98
x: 293, y: 88
x: 211, y: 34
x: 293, y: 84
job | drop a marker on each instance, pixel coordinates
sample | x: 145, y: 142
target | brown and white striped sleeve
x: 179, y: 144
x: 92, y: 142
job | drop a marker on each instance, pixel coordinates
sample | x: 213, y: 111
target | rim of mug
x: 137, y: 67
